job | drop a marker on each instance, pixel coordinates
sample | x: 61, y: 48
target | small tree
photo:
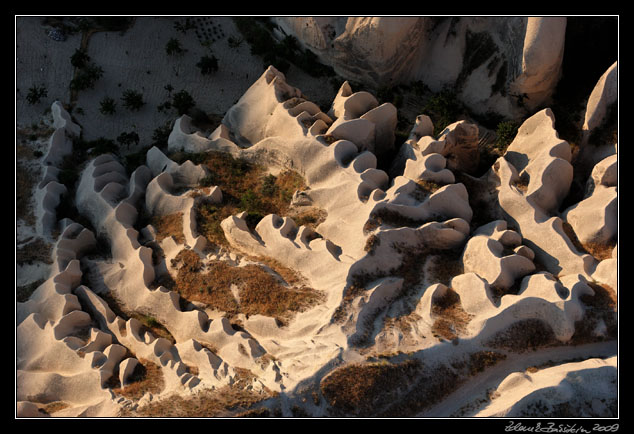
x: 161, y: 135
x: 133, y: 100
x: 79, y: 59
x: 173, y: 47
x: 128, y: 139
x: 208, y: 64
x: 108, y: 106
x: 35, y: 94
x: 182, y: 102
x: 86, y: 77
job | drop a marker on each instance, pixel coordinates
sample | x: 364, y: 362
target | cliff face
x: 505, y: 65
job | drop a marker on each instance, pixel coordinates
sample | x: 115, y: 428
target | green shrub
x: 133, y: 100
x: 268, y: 185
x: 35, y: 94
x: 86, y: 77
x: 107, y: 106
x: 208, y: 64
x: 79, y: 59
x: 161, y: 135
x: 443, y: 108
x: 506, y: 132
x: 128, y: 139
x: 207, y: 181
x: 174, y: 47
x: 183, y: 102
x: 250, y: 202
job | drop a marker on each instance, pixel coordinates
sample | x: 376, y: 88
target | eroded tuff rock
x: 494, y: 60
x: 397, y: 265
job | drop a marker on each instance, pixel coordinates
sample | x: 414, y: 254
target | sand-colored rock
x: 485, y: 255
x: 382, y: 263
x: 542, y: 57
x: 501, y: 64
x: 588, y: 387
x: 604, y: 94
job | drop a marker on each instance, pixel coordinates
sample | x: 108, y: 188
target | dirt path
x: 472, y: 395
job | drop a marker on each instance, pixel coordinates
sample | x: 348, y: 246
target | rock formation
x: 499, y: 64
x: 395, y: 267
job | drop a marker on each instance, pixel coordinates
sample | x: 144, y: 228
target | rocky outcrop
x: 499, y: 64
x: 401, y: 265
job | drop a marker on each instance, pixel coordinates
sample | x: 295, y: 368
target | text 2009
x: 605, y: 428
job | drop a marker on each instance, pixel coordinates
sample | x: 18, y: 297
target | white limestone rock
x: 488, y: 254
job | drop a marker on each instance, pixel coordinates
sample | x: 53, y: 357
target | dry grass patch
x: 23, y: 293
x: 447, y: 264
x: 424, y: 189
x: 371, y: 243
x: 259, y: 291
x: 482, y: 360
x: 148, y: 322
x: 147, y: 377
x: 34, y: 132
x: 524, y: 335
x: 170, y: 225
x: 363, y: 389
x: 600, y: 307
x: 451, y: 319
x: 385, y: 216
x: 24, y: 183
x: 54, y: 407
x: 402, y: 323
x: 152, y: 325
x: 245, y: 187
x: 37, y: 250
x: 311, y: 217
x: 599, y: 251
x: 232, y: 400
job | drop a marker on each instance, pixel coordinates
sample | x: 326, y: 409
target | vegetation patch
x: 363, y: 389
x: 524, y: 335
x: 24, y: 292
x: 371, y: 244
x: 481, y: 360
x: 231, y: 400
x: 599, y: 308
x: 450, y: 318
x: 386, y: 216
x: 24, y: 183
x: 446, y: 265
x: 148, y: 322
x: 443, y: 108
x: 258, y: 33
x: 151, y: 324
x: 600, y: 251
x: 311, y: 217
x: 34, y: 251
x: 245, y: 187
x: 146, y: 377
x: 258, y: 290
x: 387, y: 390
x: 54, y: 407
x: 170, y: 225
